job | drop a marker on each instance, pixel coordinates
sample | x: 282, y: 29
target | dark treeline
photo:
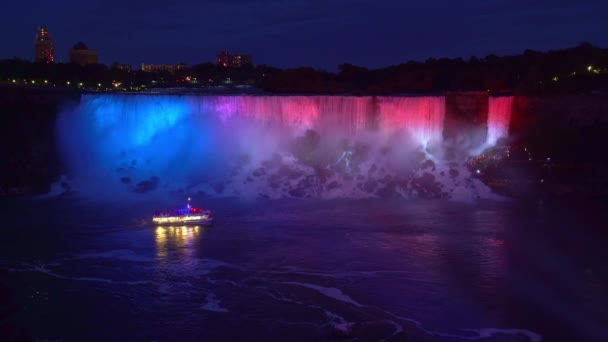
x: 578, y: 69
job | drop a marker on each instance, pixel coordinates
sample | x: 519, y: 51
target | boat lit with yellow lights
x: 189, y: 215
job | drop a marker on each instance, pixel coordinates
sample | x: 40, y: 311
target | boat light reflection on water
x: 180, y: 239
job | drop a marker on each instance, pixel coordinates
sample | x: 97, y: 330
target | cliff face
x: 572, y: 126
x: 466, y: 117
x: 567, y: 111
x: 29, y: 161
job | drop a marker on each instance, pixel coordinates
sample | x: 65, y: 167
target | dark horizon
x: 305, y: 33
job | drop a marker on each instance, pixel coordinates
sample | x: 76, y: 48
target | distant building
x: 81, y: 55
x: 233, y: 61
x: 44, y: 46
x: 123, y: 67
x: 163, y: 67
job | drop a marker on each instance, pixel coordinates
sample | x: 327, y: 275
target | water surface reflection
x: 176, y: 242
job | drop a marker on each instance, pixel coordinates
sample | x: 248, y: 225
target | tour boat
x: 188, y: 215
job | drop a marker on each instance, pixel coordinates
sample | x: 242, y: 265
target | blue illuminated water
x: 306, y: 270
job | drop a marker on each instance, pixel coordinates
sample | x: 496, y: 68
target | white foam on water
x: 37, y: 269
x: 331, y: 292
x: 213, y: 304
x: 338, y: 322
x: 118, y: 254
x: 58, y: 188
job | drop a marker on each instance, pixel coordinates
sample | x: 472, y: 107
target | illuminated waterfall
x: 421, y: 117
x: 149, y: 142
x: 499, y: 118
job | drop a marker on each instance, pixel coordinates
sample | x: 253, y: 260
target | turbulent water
x: 304, y: 270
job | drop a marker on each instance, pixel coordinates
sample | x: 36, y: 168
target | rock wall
x: 566, y: 110
x: 572, y: 127
x: 29, y: 160
x: 466, y: 116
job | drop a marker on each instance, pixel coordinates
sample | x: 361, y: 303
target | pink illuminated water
x: 499, y: 118
x: 336, y: 113
x: 421, y: 117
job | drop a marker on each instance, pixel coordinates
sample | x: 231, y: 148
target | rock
x: 427, y: 187
x: 259, y: 172
x: 297, y: 193
x: 244, y: 159
x: 273, y: 163
x: 388, y: 191
x: 288, y: 172
x: 305, y: 147
x: 147, y: 185
x: 219, y: 188
x: 372, y: 170
x: 386, y: 179
x: 323, y: 173
x: 428, y: 164
x: 307, y: 182
x: 370, y: 186
x: 332, y: 185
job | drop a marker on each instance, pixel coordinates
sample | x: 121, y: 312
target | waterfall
x: 499, y: 118
x: 148, y: 142
x: 421, y: 117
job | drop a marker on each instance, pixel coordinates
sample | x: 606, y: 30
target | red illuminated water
x: 420, y: 117
x: 499, y: 118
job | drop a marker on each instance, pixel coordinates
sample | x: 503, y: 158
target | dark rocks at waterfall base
x: 147, y: 185
x: 259, y: 172
x: 427, y: 187
x: 333, y: 185
x: 298, y: 180
x: 219, y: 188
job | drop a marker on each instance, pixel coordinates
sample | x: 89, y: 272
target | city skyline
x: 307, y: 32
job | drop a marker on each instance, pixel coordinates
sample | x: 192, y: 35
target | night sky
x: 318, y: 33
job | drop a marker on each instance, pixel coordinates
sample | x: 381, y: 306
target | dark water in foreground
x: 305, y: 270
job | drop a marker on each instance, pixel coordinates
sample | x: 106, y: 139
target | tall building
x: 233, y: 61
x: 44, y: 46
x: 81, y: 55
